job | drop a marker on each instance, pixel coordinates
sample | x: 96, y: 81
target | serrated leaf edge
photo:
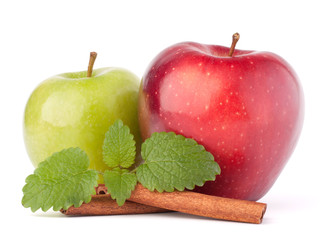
x: 119, y: 201
x: 26, y: 203
x: 120, y: 124
x: 161, y: 189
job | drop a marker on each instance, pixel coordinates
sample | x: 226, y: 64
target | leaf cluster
x: 170, y: 162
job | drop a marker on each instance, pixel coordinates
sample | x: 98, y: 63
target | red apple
x: 245, y: 107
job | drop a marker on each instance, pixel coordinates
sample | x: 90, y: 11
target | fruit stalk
x: 236, y: 37
x: 93, y: 56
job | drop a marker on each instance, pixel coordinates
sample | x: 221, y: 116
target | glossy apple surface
x: 72, y: 110
x: 247, y: 110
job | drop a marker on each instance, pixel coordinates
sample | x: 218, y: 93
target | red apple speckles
x: 247, y: 110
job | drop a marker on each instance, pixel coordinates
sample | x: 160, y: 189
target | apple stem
x: 93, y: 56
x: 236, y: 37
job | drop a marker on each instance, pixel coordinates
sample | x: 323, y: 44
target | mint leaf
x: 62, y: 180
x: 120, y: 184
x: 119, y: 146
x: 173, y: 161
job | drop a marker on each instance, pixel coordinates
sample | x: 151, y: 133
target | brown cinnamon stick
x: 102, y: 204
x: 202, y: 205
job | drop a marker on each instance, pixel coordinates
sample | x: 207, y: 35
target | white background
x: 40, y: 39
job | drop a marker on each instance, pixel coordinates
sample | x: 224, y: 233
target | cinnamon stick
x: 202, y: 205
x: 102, y: 204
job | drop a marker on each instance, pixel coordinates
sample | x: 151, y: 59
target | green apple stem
x: 236, y: 37
x: 93, y: 56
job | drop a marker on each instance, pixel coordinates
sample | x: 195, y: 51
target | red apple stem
x: 93, y: 56
x: 236, y: 37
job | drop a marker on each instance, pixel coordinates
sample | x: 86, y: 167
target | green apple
x: 73, y: 110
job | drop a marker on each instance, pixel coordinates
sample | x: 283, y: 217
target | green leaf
x: 173, y: 161
x: 62, y: 180
x: 120, y: 184
x: 119, y: 146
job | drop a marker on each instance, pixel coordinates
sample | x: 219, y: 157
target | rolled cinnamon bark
x: 201, y: 204
x: 104, y: 205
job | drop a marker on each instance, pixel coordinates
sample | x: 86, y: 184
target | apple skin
x: 72, y: 110
x: 247, y: 110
